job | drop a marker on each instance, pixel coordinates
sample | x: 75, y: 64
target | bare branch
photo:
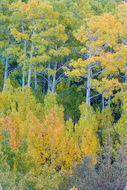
x: 96, y: 95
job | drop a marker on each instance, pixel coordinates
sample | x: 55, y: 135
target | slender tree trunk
x: 126, y: 66
x: 44, y: 86
x: 103, y: 102
x: 54, y: 78
x: 126, y: 72
x: 88, y: 86
x: 35, y: 77
x: 5, y: 73
x: 23, y: 73
x: 6, y: 67
x: 109, y: 98
x: 23, y: 79
x: 48, y: 77
x: 30, y: 67
x: 29, y: 75
x: 109, y: 101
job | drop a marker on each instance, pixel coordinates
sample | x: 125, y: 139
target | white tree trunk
x: 54, y: 78
x: 29, y: 75
x: 109, y: 101
x: 109, y: 98
x: 103, y: 102
x: 88, y: 86
x: 48, y: 77
x: 6, y: 67
x: 30, y: 67
x: 35, y: 77
x: 43, y: 91
x: 23, y: 79
x: 23, y: 74
x: 126, y: 72
x: 5, y: 73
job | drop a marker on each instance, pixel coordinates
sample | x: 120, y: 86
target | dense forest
x: 63, y: 95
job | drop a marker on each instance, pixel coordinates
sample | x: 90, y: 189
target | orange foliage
x: 13, y: 124
x: 58, y: 148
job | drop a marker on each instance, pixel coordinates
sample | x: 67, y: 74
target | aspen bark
x: 5, y: 73
x: 103, y: 102
x: 30, y: 67
x: 6, y: 67
x: 44, y: 84
x: 54, y: 78
x: 35, y: 79
x: 48, y: 77
x: 29, y: 75
x: 109, y: 101
x: 88, y: 86
x: 109, y: 98
x: 23, y: 74
x: 126, y: 72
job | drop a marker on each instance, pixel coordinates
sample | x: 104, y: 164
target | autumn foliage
x: 49, y: 141
x: 63, y: 94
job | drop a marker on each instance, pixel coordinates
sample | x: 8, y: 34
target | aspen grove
x: 63, y: 94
